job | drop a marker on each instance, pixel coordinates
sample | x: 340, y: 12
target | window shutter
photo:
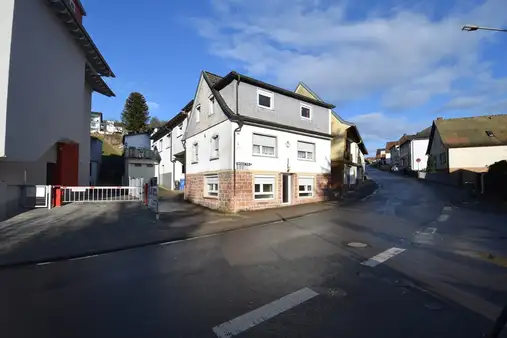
x: 263, y: 140
x: 304, y: 146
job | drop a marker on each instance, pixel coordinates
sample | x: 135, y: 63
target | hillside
x: 111, y: 144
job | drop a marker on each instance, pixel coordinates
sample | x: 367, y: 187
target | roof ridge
x: 470, y: 117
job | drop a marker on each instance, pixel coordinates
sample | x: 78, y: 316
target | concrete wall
x: 284, y: 155
x: 286, y: 110
x: 476, y: 158
x: 14, y: 172
x: 146, y: 170
x: 224, y: 131
x: 205, y: 120
x: 6, y: 21
x: 48, y: 99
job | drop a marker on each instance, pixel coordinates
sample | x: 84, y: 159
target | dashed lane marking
x: 382, y: 257
x: 268, y: 311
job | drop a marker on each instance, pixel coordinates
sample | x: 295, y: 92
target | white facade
x: 43, y: 93
x: 137, y: 141
x: 285, y: 158
x: 95, y: 123
x: 477, y: 158
x: 109, y: 127
x: 418, y: 150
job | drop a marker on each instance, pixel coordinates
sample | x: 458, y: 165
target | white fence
x: 101, y: 194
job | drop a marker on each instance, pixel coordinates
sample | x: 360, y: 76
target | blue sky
x: 389, y: 66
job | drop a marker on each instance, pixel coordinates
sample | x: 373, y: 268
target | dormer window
x: 306, y: 111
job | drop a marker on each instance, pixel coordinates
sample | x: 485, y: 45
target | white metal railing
x: 101, y: 194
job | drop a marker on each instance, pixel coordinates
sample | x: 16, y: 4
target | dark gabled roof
x: 179, y: 118
x: 425, y: 133
x: 83, y: 39
x: 243, y: 78
x: 390, y: 144
x: 471, y: 131
x: 213, y: 78
x: 97, y: 83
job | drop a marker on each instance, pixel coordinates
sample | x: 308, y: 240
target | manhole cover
x: 357, y: 245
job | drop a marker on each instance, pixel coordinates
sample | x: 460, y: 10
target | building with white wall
x: 251, y: 145
x: 49, y: 67
x: 140, y: 158
x: 467, y: 145
x: 168, y: 141
x: 413, y: 151
x: 96, y: 122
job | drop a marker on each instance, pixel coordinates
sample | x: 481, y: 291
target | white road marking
x: 84, y: 257
x: 443, y: 218
x: 447, y: 208
x: 268, y: 311
x: 382, y: 257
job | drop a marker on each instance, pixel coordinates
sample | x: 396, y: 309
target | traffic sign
x: 418, y: 160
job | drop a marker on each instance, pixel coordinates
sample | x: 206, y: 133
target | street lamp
x: 472, y: 28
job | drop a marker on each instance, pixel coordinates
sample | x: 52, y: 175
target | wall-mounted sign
x: 246, y: 164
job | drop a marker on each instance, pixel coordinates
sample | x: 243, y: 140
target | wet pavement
x: 427, y: 276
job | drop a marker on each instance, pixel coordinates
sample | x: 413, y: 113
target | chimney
x: 440, y: 118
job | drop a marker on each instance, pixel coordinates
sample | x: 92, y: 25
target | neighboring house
x: 381, y: 155
x: 394, y: 152
x: 413, y: 150
x: 111, y: 127
x: 347, y: 149
x: 49, y: 67
x: 140, y: 159
x: 467, y: 145
x: 251, y: 145
x: 167, y: 140
x: 387, y: 151
x: 96, y: 122
x: 95, y: 159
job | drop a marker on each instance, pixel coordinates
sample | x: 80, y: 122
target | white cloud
x: 406, y: 56
x: 377, y: 128
x: 153, y: 105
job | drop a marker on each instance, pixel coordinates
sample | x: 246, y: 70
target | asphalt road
x: 292, y: 279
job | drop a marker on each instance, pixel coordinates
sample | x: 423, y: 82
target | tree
x: 155, y: 122
x: 135, y: 114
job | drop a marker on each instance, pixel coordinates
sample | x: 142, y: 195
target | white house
x: 111, y: 127
x: 96, y: 122
x: 413, y: 150
x: 251, y: 145
x: 467, y: 145
x: 49, y: 67
x: 140, y: 159
x: 167, y: 140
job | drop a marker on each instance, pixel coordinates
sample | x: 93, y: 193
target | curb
x: 62, y: 258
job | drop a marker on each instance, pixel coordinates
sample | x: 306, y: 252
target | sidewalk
x: 79, y: 229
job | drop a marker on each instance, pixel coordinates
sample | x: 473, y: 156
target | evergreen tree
x: 135, y: 114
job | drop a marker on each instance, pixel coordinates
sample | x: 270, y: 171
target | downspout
x: 237, y: 130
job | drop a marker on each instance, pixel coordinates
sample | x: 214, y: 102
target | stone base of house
x: 242, y: 199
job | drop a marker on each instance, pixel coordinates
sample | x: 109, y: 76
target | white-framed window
x: 198, y: 113
x: 265, y: 99
x: 264, y: 187
x: 306, y: 151
x: 168, y: 141
x: 161, y: 144
x: 195, y: 152
x: 215, y: 146
x: 179, y: 130
x: 305, y: 186
x: 264, y: 145
x: 306, y: 111
x: 211, y: 187
x: 211, y: 110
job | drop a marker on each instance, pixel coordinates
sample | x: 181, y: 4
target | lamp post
x: 473, y: 28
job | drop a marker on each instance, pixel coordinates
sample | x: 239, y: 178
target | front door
x: 286, y: 191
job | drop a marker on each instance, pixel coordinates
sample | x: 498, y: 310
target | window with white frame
x: 179, y: 130
x: 211, y: 110
x: 306, y: 151
x: 265, y: 99
x: 306, y: 111
x: 198, y: 113
x: 264, y: 187
x: 168, y: 141
x: 264, y: 145
x: 211, y: 187
x: 305, y: 186
x: 195, y: 152
x: 215, y: 146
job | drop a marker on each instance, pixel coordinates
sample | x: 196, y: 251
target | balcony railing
x: 141, y: 153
